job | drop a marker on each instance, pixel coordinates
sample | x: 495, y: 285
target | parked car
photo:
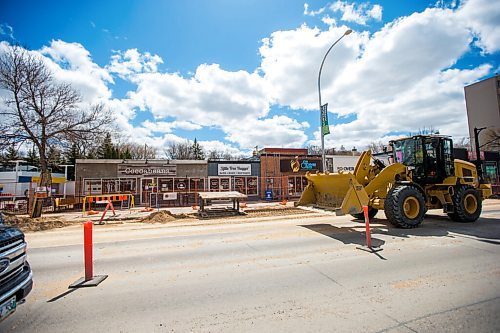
x: 15, y: 272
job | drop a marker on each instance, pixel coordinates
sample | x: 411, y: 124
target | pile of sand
x: 164, y: 216
x: 275, y: 211
x: 37, y: 224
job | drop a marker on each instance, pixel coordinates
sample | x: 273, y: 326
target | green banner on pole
x: 325, y: 129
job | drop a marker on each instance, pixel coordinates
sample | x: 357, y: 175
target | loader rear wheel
x: 405, y: 206
x: 467, y: 204
x: 361, y: 216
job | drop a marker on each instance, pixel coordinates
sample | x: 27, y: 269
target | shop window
x: 92, y: 187
x: 109, y: 186
x: 180, y: 184
x: 239, y: 184
x: 225, y: 184
x: 196, y: 184
x: 251, y: 186
x: 214, y: 184
x: 127, y: 186
x: 166, y: 184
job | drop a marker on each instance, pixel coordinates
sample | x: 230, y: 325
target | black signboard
x: 300, y: 164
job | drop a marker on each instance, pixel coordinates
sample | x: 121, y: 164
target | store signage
x: 472, y: 155
x: 234, y: 169
x: 147, y: 170
x: 170, y: 196
x: 302, y: 165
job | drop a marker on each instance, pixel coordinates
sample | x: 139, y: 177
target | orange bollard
x: 367, y: 227
x: 89, y: 280
x: 87, y: 250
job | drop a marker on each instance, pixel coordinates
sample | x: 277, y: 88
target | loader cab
x: 430, y: 157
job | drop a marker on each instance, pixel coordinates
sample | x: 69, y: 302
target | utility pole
x: 478, y: 154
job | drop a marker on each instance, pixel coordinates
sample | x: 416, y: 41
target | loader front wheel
x: 405, y: 206
x: 467, y: 204
x: 361, y: 216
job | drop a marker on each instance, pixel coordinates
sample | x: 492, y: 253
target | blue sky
x: 235, y: 74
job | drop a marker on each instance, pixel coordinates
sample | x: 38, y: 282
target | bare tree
x: 39, y: 110
x: 216, y: 154
x: 179, y: 151
x: 138, y: 151
x: 463, y: 142
x: 376, y: 147
x: 491, y: 139
x: 314, y: 150
x: 425, y: 131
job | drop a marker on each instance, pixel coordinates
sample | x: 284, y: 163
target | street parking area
x: 284, y: 273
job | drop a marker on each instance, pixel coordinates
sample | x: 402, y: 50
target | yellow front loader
x: 424, y: 176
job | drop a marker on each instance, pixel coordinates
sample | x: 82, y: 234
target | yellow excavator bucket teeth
x: 336, y: 191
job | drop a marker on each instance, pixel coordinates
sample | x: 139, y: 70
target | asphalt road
x: 293, y: 274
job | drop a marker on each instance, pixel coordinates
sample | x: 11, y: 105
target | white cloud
x: 312, y: 12
x: 168, y: 127
x: 357, y: 13
x: 291, y: 60
x: 278, y: 131
x: 328, y: 20
x: 72, y: 63
x: 216, y: 145
x: 132, y: 62
x: 398, y: 79
x: 483, y: 18
x: 7, y: 30
x: 212, y: 97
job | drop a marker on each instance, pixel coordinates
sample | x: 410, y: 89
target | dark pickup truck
x: 15, y: 272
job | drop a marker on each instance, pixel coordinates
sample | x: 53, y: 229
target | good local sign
x: 234, y: 170
x: 147, y: 170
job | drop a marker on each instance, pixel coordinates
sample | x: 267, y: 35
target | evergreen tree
x: 106, y: 149
x: 197, y: 151
x: 32, y: 157
x: 126, y: 154
x: 11, y: 154
x: 54, y: 159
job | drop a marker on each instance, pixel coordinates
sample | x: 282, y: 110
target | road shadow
x: 67, y: 292
x: 347, y: 235
x: 485, y: 229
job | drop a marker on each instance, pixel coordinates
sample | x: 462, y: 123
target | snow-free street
x: 300, y: 273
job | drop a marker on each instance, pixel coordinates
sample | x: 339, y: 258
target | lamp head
x: 347, y: 32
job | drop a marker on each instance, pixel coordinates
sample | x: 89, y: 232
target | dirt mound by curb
x: 275, y: 211
x: 38, y: 224
x: 164, y: 216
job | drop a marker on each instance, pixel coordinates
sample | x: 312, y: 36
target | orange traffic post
x: 110, y: 204
x: 87, y: 250
x: 367, y: 227
x: 89, y: 280
x: 368, y: 246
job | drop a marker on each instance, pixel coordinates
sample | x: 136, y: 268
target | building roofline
x: 133, y: 162
x: 497, y: 76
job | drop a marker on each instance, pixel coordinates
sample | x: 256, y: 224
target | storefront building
x: 241, y: 176
x: 152, y: 182
x: 283, y: 172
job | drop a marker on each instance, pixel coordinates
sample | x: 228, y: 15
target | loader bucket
x: 334, y: 191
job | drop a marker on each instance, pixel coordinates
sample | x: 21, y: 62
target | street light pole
x: 319, y: 93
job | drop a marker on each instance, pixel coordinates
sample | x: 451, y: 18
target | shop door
x: 147, y: 187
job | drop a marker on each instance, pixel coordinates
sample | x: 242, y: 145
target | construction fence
x: 150, y: 192
x: 146, y: 192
